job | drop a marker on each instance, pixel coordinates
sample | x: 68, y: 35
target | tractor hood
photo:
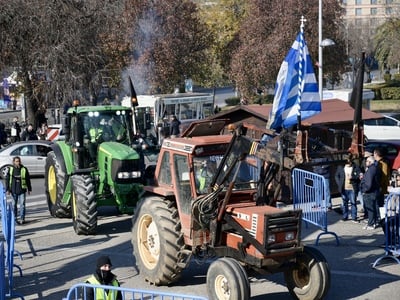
x: 118, y: 151
x: 205, y: 127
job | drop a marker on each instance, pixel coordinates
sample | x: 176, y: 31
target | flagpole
x: 300, y: 88
x: 320, y: 77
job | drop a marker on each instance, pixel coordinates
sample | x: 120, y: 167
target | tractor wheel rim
x: 52, y: 184
x: 221, y: 287
x: 149, y: 241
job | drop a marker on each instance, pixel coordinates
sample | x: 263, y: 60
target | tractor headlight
x: 289, y: 236
x: 271, y: 238
x: 128, y: 175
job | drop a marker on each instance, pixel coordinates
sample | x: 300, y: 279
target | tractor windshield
x: 107, y: 126
x: 245, y: 173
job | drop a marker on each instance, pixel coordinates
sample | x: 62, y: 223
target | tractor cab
x: 90, y: 126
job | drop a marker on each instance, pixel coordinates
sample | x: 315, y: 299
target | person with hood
x: 103, y: 276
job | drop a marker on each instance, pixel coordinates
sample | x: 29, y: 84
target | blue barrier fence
x: 309, y: 196
x: 391, y: 227
x: 78, y: 291
x: 8, y: 234
x: 2, y: 273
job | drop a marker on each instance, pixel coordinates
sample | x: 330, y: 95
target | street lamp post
x: 321, y: 45
x: 320, y: 50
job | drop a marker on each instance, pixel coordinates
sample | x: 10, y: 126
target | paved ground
x: 54, y: 258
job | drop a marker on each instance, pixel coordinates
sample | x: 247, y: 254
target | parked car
x: 33, y: 156
x: 391, y: 148
x: 387, y: 128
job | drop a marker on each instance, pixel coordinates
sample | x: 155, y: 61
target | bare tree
x: 58, y: 47
x: 267, y: 33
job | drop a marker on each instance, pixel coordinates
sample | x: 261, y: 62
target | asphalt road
x: 54, y: 258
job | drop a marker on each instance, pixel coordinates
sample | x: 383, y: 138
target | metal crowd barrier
x: 78, y: 291
x: 2, y: 273
x: 392, y: 221
x: 309, y: 196
x: 8, y: 232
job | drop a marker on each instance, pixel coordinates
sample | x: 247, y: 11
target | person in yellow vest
x: 103, y: 276
x: 204, y: 176
x: 18, y: 183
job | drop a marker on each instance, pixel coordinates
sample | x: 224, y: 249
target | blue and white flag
x: 296, y: 90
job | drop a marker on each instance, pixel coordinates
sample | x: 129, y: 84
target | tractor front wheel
x: 309, y: 279
x: 227, y: 279
x: 84, y: 205
x: 157, y: 240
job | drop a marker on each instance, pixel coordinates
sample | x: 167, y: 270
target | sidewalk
x: 351, y: 261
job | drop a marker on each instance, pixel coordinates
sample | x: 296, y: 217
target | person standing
x: 348, y: 180
x: 370, y: 185
x: 362, y: 171
x: 42, y: 132
x: 29, y: 134
x: 18, y: 183
x: 103, y: 276
x: 174, y: 127
x: 383, y: 166
x: 15, y: 130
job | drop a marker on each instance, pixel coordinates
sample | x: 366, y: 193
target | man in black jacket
x: 370, y: 187
x: 18, y: 183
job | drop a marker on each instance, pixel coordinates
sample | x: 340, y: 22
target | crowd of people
x: 369, y: 183
x: 18, y: 132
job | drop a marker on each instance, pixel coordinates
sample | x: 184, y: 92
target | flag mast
x: 301, y: 75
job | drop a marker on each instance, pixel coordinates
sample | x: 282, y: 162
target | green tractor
x: 96, y: 165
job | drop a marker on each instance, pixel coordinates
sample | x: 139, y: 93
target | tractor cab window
x: 164, y: 177
x: 204, y: 170
x: 245, y: 174
x: 182, y: 175
x: 107, y: 126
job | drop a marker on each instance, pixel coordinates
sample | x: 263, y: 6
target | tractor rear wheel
x: 84, y: 205
x: 157, y: 240
x: 310, y: 277
x: 227, y: 279
x: 55, y: 185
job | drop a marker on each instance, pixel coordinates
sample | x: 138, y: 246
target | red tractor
x: 205, y: 202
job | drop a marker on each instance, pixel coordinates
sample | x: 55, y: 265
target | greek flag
x: 296, y: 90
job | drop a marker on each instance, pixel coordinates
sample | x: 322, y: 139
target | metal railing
x: 78, y: 291
x: 8, y: 234
x: 391, y: 227
x: 309, y: 196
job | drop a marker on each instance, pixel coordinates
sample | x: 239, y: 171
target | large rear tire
x: 157, y: 240
x: 227, y: 280
x: 309, y: 279
x: 55, y: 185
x: 84, y: 205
